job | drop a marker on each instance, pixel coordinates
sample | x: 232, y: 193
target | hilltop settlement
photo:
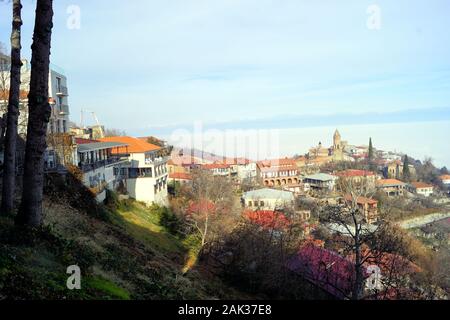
x: 320, y: 205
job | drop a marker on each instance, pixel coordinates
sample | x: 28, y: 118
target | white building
x: 268, y: 199
x: 421, y: 188
x: 147, y: 174
x: 101, y: 163
x: 57, y: 93
x: 248, y: 171
x: 320, y: 181
x: 218, y: 169
x: 445, y: 179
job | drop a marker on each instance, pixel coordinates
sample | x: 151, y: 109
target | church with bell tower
x: 337, y: 151
x: 333, y: 153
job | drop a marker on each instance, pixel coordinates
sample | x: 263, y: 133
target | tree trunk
x: 359, y: 277
x: 30, y: 213
x: 9, y: 173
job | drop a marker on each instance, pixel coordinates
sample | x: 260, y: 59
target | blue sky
x: 143, y: 65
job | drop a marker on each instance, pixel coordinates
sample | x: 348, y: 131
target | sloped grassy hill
x: 125, y: 254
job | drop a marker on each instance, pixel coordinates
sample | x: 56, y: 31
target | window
x: 249, y: 203
x: 58, y: 84
x: 133, y: 173
x: 261, y: 203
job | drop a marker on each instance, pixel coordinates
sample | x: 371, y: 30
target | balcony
x: 86, y: 167
x: 62, y: 91
x: 156, y: 161
x: 64, y: 110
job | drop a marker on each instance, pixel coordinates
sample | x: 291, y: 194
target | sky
x: 149, y: 66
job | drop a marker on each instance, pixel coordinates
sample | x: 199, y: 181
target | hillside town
x: 107, y: 207
x: 272, y: 193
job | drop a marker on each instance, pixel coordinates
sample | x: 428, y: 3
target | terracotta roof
x: 277, y: 163
x: 134, y: 145
x: 216, y: 166
x: 237, y: 161
x: 389, y: 182
x: 421, y: 185
x: 361, y: 200
x: 445, y: 177
x: 180, y: 176
x: 354, y: 173
x: 279, y: 169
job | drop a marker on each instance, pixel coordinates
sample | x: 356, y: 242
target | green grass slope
x: 125, y: 254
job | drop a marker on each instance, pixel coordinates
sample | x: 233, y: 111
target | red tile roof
x: 135, y: 145
x: 277, y: 163
x: 180, y: 176
x: 361, y: 200
x: 445, y: 177
x: 384, y: 182
x: 279, y: 169
x: 421, y: 185
x: 237, y: 161
x: 212, y: 166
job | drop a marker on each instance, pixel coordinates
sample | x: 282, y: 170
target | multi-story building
x: 146, y: 172
x: 421, y: 188
x: 58, y: 100
x: 244, y: 170
x: 391, y: 187
x: 358, y: 178
x: 279, y: 172
x: 367, y: 206
x: 90, y: 132
x: 320, y: 181
x: 268, y: 199
x: 394, y: 170
x: 445, y: 179
x: 102, y: 165
x: 180, y: 177
x: 218, y: 169
x: 57, y: 93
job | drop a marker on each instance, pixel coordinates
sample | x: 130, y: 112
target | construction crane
x: 96, y: 121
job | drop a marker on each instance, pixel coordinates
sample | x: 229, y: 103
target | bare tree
x: 257, y: 251
x: 9, y: 175
x: 30, y: 213
x: 212, y: 205
x: 64, y: 146
x: 365, y: 243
